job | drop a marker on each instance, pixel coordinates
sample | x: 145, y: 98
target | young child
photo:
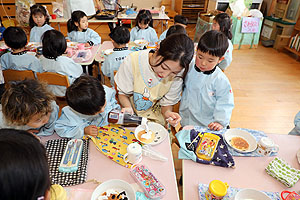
x: 207, y: 99
x: 24, y: 166
x: 54, y: 45
x: 143, y: 29
x: 296, y: 129
x: 175, y: 29
x: 120, y: 36
x: 28, y: 105
x: 16, y: 39
x: 88, y: 106
x: 78, y: 30
x: 2, y: 86
x: 150, y: 82
x: 178, y: 20
x: 39, y: 22
x: 222, y: 22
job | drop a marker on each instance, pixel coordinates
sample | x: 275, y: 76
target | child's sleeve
x: 31, y: 38
x: 227, y: 57
x: 70, y: 37
x: 106, y: 66
x: 35, y: 65
x: 94, y: 37
x: 163, y: 35
x: 3, y: 61
x: 111, y: 102
x: 133, y: 34
x: 154, y: 37
x: 174, y: 94
x: 70, y: 68
x: 124, y: 77
x: 48, y: 128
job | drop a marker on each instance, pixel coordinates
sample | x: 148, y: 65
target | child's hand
x: 128, y: 110
x: 215, y: 126
x: 172, y: 117
x: 87, y: 45
x: 91, y: 130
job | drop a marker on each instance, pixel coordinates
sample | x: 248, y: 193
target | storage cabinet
x: 191, y: 8
x: 295, y: 48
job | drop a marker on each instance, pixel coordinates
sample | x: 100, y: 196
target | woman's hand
x: 91, y: 130
x: 128, y: 110
x: 215, y: 126
x: 172, y: 117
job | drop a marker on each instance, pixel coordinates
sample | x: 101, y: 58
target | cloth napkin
x: 282, y: 171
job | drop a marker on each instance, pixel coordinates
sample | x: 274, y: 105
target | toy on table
x: 152, y: 187
x: 71, y: 157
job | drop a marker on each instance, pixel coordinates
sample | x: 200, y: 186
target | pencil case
x: 71, y: 156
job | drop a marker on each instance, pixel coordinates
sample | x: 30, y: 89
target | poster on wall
x: 250, y: 24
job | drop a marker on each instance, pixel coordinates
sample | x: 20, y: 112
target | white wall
x: 142, y: 3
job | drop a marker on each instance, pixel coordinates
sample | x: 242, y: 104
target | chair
x: 16, y: 75
x: 53, y: 78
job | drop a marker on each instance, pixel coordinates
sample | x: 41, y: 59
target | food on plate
x: 142, y: 138
x: 106, y: 12
x: 113, y: 194
x: 239, y: 143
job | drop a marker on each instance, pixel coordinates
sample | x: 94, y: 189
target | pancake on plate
x: 239, y: 143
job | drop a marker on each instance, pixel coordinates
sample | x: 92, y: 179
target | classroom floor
x: 266, y: 89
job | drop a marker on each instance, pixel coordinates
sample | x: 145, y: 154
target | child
x: 296, y: 129
x: 120, y: 37
x: 78, y: 30
x: 143, y: 29
x: 39, y: 22
x: 178, y: 20
x: 207, y: 98
x: 28, y: 105
x: 24, y: 167
x: 16, y: 39
x: 88, y: 106
x: 150, y: 82
x: 54, y: 45
x: 2, y: 87
x: 222, y: 22
x: 175, y: 29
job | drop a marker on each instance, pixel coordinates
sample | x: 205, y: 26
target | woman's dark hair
x: 224, y: 22
x: 86, y: 95
x: 15, y: 37
x: 75, y: 17
x: 144, y: 17
x: 175, y: 29
x: 180, y: 19
x: 35, y: 9
x: 177, y: 47
x: 120, y: 35
x: 54, y: 44
x: 213, y: 42
x: 24, y: 171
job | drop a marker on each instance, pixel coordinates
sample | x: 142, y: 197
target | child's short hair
x: 54, y: 44
x: 23, y: 99
x: 213, y: 42
x: 120, y: 35
x: 181, y: 19
x: 144, y: 17
x: 15, y: 37
x: 35, y: 9
x: 24, y: 171
x: 86, y: 95
x: 224, y: 22
x: 75, y: 17
x: 175, y: 29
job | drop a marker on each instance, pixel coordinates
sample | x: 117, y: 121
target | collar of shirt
x: 19, y: 53
x: 206, y: 72
x: 120, y: 49
x: 50, y: 57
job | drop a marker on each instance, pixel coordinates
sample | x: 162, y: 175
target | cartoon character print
x: 142, y: 101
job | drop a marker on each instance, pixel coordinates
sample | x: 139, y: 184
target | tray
x: 106, y: 14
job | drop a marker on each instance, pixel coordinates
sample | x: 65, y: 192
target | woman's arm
x: 125, y: 104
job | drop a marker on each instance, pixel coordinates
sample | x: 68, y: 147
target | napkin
x: 283, y: 172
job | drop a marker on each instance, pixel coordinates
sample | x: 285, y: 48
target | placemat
x: 231, y: 192
x: 55, y: 150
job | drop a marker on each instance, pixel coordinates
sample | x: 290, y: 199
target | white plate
x: 141, y: 43
x: 160, y: 132
x: 230, y: 133
x: 116, y: 184
x: 108, y: 51
x: 251, y: 194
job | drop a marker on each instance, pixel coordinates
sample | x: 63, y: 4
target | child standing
x: 54, y: 45
x: 88, y: 106
x: 39, y: 22
x: 28, y: 105
x: 120, y: 37
x: 143, y: 29
x: 150, y: 82
x: 222, y: 22
x: 207, y: 99
x: 178, y: 20
x: 16, y: 39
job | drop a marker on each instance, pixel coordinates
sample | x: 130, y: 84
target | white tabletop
x: 133, y: 16
x: 93, y: 20
x: 249, y: 172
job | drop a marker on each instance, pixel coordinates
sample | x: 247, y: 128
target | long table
x: 249, y: 172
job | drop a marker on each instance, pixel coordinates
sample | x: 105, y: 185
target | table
x: 249, y: 172
x: 94, y: 51
x: 102, y: 169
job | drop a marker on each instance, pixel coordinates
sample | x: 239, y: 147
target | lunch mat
x: 256, y: 134
x: 231, y: 192
x: 55, y: 150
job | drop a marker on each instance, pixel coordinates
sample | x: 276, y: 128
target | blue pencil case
x: 71, y: 157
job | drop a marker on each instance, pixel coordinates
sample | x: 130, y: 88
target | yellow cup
x: 57, y: 192
x: 217, y: 190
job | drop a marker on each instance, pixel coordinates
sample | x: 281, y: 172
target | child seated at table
x: 54, y: 45
x: 38, y: 22
x: 120, y: 36
x: 24, y: 167
x: 175, y: 29
x: 88, y: 106
x: 16, y: 39
x: 178, y: 20
x: 143, y: 29
x: 28, y: 105
x: 296, y: 129
x: 207, y: 99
